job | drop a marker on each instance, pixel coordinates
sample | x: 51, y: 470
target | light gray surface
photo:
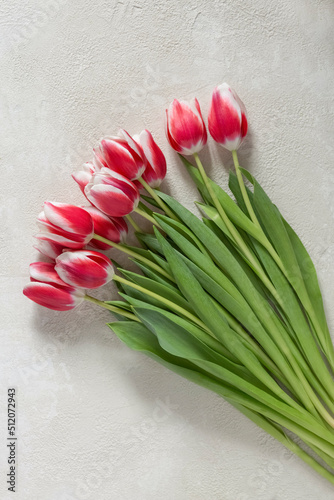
x: 90, y: 422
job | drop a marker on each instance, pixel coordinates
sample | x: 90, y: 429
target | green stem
x: 157, y: 198
x: 113, y: 309
x: 163, y: 300
x: 132, y: 253
x: 146, y: 216
x: 235, y: 234
x: 243, y: 189
x: 134, y: 224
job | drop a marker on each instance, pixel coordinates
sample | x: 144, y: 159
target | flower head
x: 156, y: 167
x: 227, y: 120
x: 67, y: 225
x: 84, y: 268
x: 48, y: 290
x: 114, y: 229
x: 185, y: 127
x: 121, y: 154
x: 112, y: 193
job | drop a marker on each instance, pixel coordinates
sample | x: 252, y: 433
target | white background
x: 91, y: 417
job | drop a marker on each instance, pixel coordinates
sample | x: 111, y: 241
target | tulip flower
x: 227, y: 119
x: 49, y: 248
x: 156, y: 167
x: 66, y: 225
x: 84, y: 268
x: 83, y: 177
x: 122, y: 155
x: 112, y: 228
x: 48, y: 290
x: 185, y: 127
x: 112, y: 193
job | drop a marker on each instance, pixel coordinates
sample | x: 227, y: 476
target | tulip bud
x: 185, y: 128
x: 113, y: 228
x: 122, y: 155
x: 227, y: 119
x: 156, y: 167
x: 83, y: 177
x: 49, y: 248
x: 84, y: 268
x: 67, y: 225
x: 48, y: 290
x: 112, y: 193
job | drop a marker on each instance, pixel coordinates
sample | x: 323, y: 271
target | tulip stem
x: 132, y: 253
x: 236, y: 235
x: 134, y: 224
x: 146, y: 216
x: 113, y: 309
x: 161, y: 203
x: 243, y: 189
x: 178, y: 309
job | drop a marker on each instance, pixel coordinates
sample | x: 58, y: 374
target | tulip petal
x: 114, y: 229
x: 45, y: 272
x: 156, y: 168
x: 71, y: 218
x: 49, y: 248
x: 52, y: 296
x: 111, y: 200
x: 60, y: 240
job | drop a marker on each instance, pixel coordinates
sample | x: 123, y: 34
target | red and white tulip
x: 67, y: 225
x: 112, y: 193
x: 49, y: 248
x: 84, y: 268
x: 48, y: 290
x: 122, y: 155
x: 156, y: 167
x: 185, y: 127
x: 227, y: 120
x: 83, y: 176
x: 114, y: 229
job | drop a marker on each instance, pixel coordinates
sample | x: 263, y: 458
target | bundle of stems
x: 232, y: 303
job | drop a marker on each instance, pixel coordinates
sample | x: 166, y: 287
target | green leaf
x: 151, y: 201
x: 151, y: 241
x: 194, y: 330
x: 233, y: 211
x: 277, y: 233
x: 257, y: 307
x: 141, y: 251
x: 148, y: 271
x: 141, y: 339
x: 233, y: 184
x: 145, y: 208
x: 255, y: 280
x: 213, y: 214
x: 164, y: 291
x: 161, y: 262
x: 309, y: 275
x: 209, y: 314
x: 184, y: 231
x: 196, y: 256
x: 179, y: 342
x: 119, y: 303
x: 297, y: 320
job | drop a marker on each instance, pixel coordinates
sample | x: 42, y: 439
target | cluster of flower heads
x: 111, y: 182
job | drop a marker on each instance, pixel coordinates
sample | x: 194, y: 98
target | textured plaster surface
x: 95, y: 420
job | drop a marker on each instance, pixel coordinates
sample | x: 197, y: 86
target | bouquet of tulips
x: 230, y: 301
